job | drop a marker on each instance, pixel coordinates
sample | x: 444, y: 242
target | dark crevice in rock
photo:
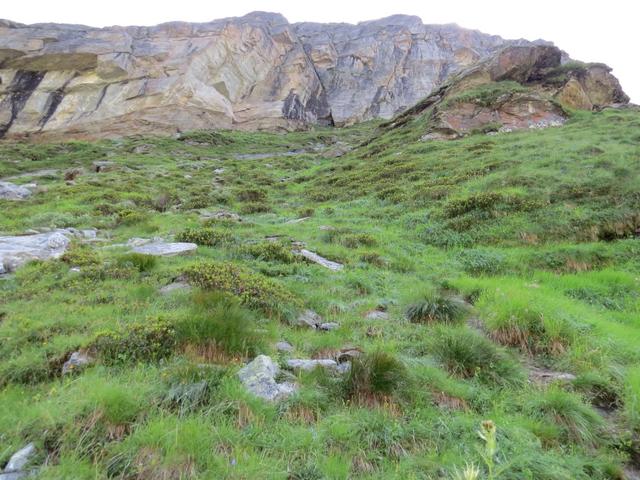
x: 101, y: 98
x: 55, y: 98
x: 23, y: 85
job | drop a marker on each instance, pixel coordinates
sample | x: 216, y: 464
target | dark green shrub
x: 255, y: 207
x: 442, y: 237
x: 481, y: 262
x: 376, y: 373
x: 142, y: 342
x: 129, y: 217
x: 138, y: 261
x: 356, y: 240
x: 434, y: 308
x: 205, y: 236
x: 79, y: 255
x: 468, y: 354
x: 252, y: 195
x: 270, y: 252
x: 253, y: 290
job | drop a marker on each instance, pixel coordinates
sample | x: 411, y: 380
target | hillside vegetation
x: 489, y: 300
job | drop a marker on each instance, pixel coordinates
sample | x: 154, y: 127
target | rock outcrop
x: 519, y: 87
x: 253, y: 72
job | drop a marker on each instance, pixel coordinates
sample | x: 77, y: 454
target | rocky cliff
x: 518, y: 87
x: 253, y: 72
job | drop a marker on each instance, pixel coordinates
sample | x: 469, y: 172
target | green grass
x: 534, y: 230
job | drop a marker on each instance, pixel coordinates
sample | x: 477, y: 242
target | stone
x: 315, y: 258
x: 298, y: 364
x: 178, y: 286
x: 328, y: 326
x: 15, y: 251
x: 259, y: 378
x: 545, y: 376
x: 376, y: 315
x: 102, y: 166
x: 165, y: 249
x: 283, y: 346
x: 9, y: 191
x: 20, y: 459
x: 253, y: 72
x: 77, y: 361
x: 309, y: 318
x: 221, y: 215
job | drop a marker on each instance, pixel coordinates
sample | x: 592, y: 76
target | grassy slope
x: 535, y: 228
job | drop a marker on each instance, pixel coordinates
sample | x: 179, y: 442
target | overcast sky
x: 594, y: 31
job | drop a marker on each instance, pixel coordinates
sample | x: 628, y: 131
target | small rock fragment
x: 77, y: 361
x: 328, y: 326
x: 284, y: 347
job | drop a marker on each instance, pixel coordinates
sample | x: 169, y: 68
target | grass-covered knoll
x: 469, y: 266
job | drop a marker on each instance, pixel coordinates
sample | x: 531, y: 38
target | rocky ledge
x: 519, y: 87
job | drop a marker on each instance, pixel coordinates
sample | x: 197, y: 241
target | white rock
x: 165, y: 249
x: 10, y: 191
x: 258, y: 377
x: 19, y: 460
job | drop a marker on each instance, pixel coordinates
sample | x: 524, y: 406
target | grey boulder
x: 10, y: 191
x: 259, y: 378
x: 18, y: 461
x: 18, y: 250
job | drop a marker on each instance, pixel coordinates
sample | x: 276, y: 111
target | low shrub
x: 270, y: 252
x: 482, y: 262
x: 79, y: 255
x: 432, y: 307
x: 205, y: 236
x: 375, y: 374
x: 218, y: 320
x: 470, y: 355
x: 142, y: 342
x: 253, y: 290
x: 440, y: 236
x: 130, y: 217
x: 252, y: 195
x: 255, y: 207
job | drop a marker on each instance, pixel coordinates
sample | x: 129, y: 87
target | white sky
x: 589, y: 30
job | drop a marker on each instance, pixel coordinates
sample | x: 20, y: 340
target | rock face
x: 519, y: 87
x: 253, y: 72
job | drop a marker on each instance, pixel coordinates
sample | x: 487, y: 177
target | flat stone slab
x: 15, y: 251
x: 10, y: 191
x: 175, y: 287
x: 315, y: 258
x: 544, y: 376
x: 376, y: 315
x: 298, y: 364
x: 165, y: 249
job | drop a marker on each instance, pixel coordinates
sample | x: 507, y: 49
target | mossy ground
x: 536, y: 230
